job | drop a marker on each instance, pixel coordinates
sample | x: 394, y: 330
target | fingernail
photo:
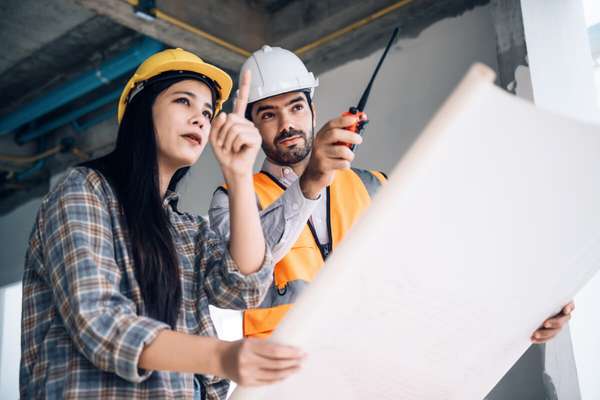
x: 548, y: 325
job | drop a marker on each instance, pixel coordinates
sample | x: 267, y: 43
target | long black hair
x: 132, y: 170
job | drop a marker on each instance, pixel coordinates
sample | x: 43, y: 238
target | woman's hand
x: 235, y: 140
x: 249, y: 362
x: 255, y: 362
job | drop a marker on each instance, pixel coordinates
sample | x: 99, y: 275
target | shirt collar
x: 285, y: 174
x: 171, y: 199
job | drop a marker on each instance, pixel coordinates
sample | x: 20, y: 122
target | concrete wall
x: 416, y: 78
x: 15, y: 229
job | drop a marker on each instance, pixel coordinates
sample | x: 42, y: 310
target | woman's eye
x: 183, y: 100
x: 207, y: 114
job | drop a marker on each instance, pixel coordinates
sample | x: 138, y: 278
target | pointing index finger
x: 241, y: 101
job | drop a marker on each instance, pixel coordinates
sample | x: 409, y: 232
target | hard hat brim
x: 220, y: 77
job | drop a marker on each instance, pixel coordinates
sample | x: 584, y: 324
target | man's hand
x: 552, y: 326
x: 329, y: 153
x: 235, y: 140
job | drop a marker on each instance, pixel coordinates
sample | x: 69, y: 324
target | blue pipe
x: 68, y: 117
x: 80, y: 128
x: 31, y: 171
x: 85, y: 83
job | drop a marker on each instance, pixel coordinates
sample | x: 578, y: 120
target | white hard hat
x: 276, y: 71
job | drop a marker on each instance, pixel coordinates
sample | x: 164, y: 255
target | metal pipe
x: 85, y: 83
x: 30, y: 159
x: 29, y: 172
x: 80, y: 128
x: 187, y: 27
x: 157, y: 13
x: 352, y: 27
x: 67, y: 118
x: 205, y: 35
x: 40, y: 160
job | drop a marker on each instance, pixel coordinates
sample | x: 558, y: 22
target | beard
x: 293, y: 154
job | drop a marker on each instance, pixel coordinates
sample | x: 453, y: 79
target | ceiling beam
x: 182, y: 35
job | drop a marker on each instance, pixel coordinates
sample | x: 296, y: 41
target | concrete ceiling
x: 46, y: 44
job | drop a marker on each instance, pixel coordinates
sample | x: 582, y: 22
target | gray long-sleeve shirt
x: 282, y: 221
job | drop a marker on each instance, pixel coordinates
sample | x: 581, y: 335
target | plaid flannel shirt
x: 84, y: 325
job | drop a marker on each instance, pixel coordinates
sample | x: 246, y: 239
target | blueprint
x: 487, y: 226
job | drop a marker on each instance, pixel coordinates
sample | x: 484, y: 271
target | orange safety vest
x: 347, y: 197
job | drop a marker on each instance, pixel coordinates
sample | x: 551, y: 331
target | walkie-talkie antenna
x: 365, y: 96
x: 358, y: 111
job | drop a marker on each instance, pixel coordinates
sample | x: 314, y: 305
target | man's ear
x: 313, y: 107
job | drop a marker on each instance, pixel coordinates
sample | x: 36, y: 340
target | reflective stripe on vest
x: 347, y: 198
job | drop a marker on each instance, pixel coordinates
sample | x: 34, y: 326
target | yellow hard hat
x: 176, y: 60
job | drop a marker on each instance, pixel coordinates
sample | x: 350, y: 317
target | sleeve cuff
x: 255, y: 285
x: 262, y: 279
x: 130, y: 347
x: 298, y: 203
x: 264, y: 275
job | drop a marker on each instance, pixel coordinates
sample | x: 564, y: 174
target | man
x: 307, y: 192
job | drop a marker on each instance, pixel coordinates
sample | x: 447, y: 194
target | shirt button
x: 295, y: 206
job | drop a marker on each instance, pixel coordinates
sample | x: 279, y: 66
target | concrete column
x: 510, y: 39
x: 562, y: 80
x: 560, y: 57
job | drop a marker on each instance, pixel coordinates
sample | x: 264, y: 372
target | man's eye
x: 183, y: 100
x: 298, y: 107
x: 266, y: 116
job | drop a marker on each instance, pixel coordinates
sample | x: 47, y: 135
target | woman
x: 117, y: 281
